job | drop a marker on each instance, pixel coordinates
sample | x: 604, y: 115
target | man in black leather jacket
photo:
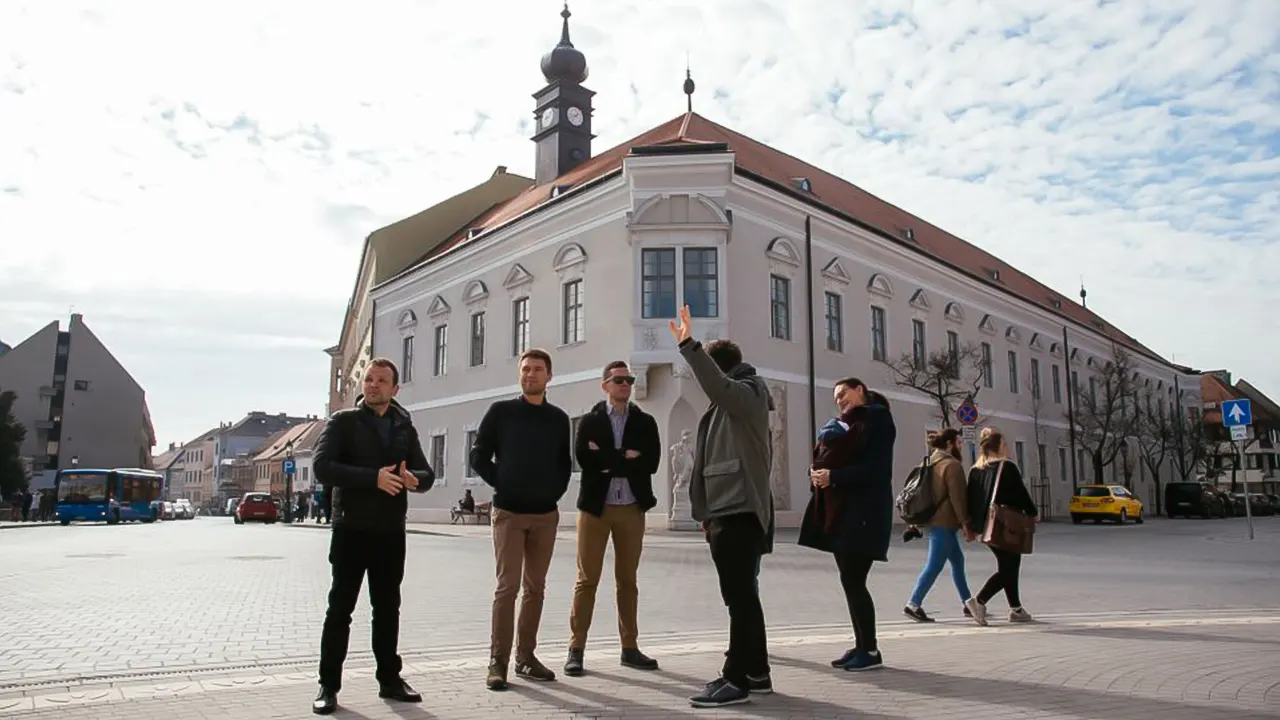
x: 370, y: 455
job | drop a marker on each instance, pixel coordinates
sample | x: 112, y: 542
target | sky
x: 198, y: 179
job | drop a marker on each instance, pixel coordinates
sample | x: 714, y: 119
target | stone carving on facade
x: 779, y: 477
x: 681, y: 369
x: 650, y: 339
x: 681, y: 470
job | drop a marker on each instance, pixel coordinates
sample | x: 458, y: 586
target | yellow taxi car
x: 1105, y: 502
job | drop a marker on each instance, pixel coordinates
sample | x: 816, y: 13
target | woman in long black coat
x: 850, y: 514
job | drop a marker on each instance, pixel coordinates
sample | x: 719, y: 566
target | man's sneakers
x: 1019, y: 615
x: 496, y: 679
x: 721, y: 693
x: 864, y: 660
x: 533, y: 669
x: 976, y: 610
x: 916, y: 613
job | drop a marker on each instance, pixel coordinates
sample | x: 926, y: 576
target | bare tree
x: 1155, y: 436
x: 1102, y: 419
x: 1192, y: 444
x: 945, y: 377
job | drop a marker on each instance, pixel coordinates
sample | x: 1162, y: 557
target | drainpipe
x: 808, y: 283
x: 1071, y: 408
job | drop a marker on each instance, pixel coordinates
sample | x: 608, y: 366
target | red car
x: 258, y: 507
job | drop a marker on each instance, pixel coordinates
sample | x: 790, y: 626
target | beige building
x: 268, y: 462
x: 803, y: 269
x: 80, y: 406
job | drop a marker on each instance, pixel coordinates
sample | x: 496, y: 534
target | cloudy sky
x: 197, y: 179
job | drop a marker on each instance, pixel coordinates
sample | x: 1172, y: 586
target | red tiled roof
x: 827, y: 191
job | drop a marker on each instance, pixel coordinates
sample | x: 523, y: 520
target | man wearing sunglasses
x: 619, y: 450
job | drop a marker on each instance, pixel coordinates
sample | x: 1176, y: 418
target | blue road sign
x: 287, y: 466
x: 1236, y: 413
x: 967, y: 413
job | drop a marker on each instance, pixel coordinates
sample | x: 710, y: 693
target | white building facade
x: 596, y: 276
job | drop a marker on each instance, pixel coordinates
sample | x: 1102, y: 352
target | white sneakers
x: 977, y: 610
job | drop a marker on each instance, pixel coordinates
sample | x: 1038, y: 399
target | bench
x: 481, y: 512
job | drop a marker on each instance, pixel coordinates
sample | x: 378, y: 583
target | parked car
x: 1234, y: 505
x: 1262, y: 505
x: 258, y: 507
x: 183, y: 509
x: 1189, y: 499
x: 1105, y: 502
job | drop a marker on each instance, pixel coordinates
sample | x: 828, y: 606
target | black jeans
x: 854, y: 570
x: 352, y: 553
x: 1008, y: 567
x: 736, y: 544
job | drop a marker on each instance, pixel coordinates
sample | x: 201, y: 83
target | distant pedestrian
x: 730, y: 494
x: 522, y: 450
x: 950, y: 518
x: 27, y: 498
x: 996, y: 480
x: 371, y: 455
x: 851, y: 512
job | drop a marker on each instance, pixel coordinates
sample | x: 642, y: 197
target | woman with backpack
x: 850, y: 512
x: 995, y: 485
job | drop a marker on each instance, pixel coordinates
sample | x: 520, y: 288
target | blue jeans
x: 944, y: 547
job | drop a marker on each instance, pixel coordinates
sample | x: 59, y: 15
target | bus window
x: 82, y: 488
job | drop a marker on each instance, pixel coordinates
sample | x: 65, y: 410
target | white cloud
x: 198, y: 185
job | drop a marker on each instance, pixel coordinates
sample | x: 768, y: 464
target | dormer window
x: 803, y: 184
x: 558, y: 190
x: 993, y: 274
x: 473, y: 232
x: 909, y: 234
x: 1056, y: 303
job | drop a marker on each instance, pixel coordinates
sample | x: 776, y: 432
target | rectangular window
x: 988, y: 376
x: 1075, y: 385
x: 953, y: 350
x: 658, y: 283
x: 406, y: 359
x: 466, y: 453
x: 81, y: 385
x: 1013, y: 373
x: 1019, y: 453
x: 1062, y: 462
x: 1043, y: 462
x: 780, y: 307
x: 919, y: 353
x: 1035, y: 378
x: 835, y: 323
x: 477, y: 339
x: 519, y: 326
x: 437, y: 455
x: 879, y: 347
x: 1093, y: 390
x: 701, y: 282
x: 573, y: 329
x: 1057, y: 384
x: 440, y: 362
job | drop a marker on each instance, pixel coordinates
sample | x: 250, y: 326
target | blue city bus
x: 113, y: 496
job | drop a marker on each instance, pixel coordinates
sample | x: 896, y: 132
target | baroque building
x: 815, y: 278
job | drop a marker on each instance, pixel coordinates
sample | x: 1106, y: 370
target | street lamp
x: 288, y: 481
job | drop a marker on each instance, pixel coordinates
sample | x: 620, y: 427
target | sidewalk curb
x: 15, y: 526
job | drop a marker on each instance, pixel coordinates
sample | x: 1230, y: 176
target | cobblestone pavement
x: 1172, y: 611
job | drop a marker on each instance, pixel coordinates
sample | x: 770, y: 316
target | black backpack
x: 915, y: 503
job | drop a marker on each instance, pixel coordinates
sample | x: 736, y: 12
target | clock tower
x: 562, y: 111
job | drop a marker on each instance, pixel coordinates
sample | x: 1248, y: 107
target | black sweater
x: 522, y: 451
x: 1012, y: 492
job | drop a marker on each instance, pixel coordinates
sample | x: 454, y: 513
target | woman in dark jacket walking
x: 1010, y: 491
x: 850, y: 513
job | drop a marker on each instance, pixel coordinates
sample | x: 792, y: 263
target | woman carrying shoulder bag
x: 1001, y: 509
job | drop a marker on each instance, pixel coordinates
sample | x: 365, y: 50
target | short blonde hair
x: 990, y: 440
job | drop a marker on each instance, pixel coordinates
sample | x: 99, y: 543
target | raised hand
x: 682, y: 331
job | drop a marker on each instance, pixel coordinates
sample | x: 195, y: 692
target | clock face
x: 575, y: 115
x: 548, y: 117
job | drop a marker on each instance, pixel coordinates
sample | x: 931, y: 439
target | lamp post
x: 288, y: 482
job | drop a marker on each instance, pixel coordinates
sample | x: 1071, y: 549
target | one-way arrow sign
x: 1236, y: 413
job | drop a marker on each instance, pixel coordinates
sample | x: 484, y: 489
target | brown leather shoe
x: 497, y: 677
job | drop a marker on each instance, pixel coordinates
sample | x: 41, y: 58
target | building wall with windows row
x: 597, y: 276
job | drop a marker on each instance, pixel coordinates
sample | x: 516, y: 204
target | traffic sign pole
x: 1237, y: 416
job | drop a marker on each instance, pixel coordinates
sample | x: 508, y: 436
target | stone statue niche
x: 681, y: 470
x: 779, y: 471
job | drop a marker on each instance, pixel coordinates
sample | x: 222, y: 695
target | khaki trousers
x: 625, y: 524
x: 522, y: 547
